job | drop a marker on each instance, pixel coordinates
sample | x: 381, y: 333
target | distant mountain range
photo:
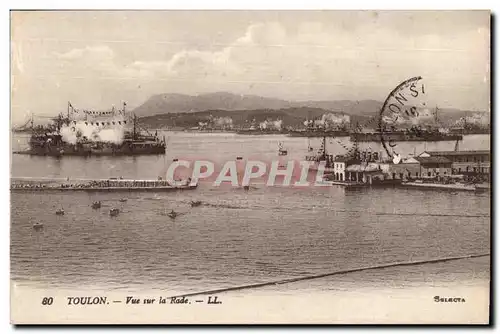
x: 177, y: 103
x: 187, y: 110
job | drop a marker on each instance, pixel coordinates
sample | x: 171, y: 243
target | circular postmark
x: 401, y: 115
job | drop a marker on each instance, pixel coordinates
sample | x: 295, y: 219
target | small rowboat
x: 195, y: 203
x: 96, y: 205
x: 60, y: 212
x: 114, y: 212
x: 173, y: 214
x: 281, y: 150
x: 38, y: 226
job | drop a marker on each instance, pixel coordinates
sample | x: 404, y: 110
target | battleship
x: 318, y: 133
x: 258, y: 131
x: 97, y: 134
x: 428, y: 133
x: 402, y: 136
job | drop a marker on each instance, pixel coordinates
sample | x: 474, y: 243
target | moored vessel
x: 321, y: 157
x: 93, y: 134
x: 318, y: 133
x: 403, y: 136
x: 114, y: 212
x: 37, y: 226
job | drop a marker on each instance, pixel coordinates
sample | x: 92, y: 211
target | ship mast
x: 324, y: 145
x: 456, y: 146
x: 134, y: 120
x: 324, y: 140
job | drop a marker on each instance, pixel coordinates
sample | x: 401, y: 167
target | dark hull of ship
x: 318, y: 133
x: 471, y: 132
x: 401, y: 137
x: 260, y: 132
x: 86, y: 151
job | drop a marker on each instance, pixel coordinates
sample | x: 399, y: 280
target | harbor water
x: 234, y: 237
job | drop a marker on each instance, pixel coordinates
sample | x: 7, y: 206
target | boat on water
x: 172, y: 214
x: 60, y: 212
x: 318, y: 133
x: 259, y: 131
x: 281, y: 150
x: 402, y: 136
x: 430, y: 132
x: 321, y: 156
x: 114, y: 212
x: 116, y: 185
x: 38, y: 226
x: 195, y: 203
x: 483, y: 187
x: 96, y: 205
x: 96, y: 134
x: 440, y: 186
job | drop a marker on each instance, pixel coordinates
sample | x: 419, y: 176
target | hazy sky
x: 99, y: 59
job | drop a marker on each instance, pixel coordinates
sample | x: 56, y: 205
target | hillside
x: 180, y: 103
x: 186, y: 111
x: 240, y: 118
x: 176, y: 103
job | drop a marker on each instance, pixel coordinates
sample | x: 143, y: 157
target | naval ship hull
x: 259, y: 132
x: 309, y: 133
x: 402, y: 137
x: 86, y: 150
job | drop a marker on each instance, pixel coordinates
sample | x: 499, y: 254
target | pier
x: 116, y: 185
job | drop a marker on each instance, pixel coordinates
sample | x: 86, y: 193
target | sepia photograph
x: 250, y: 167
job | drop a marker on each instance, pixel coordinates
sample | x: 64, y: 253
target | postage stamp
x: 250, y: 167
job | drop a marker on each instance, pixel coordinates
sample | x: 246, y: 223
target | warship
x: 319, y: 133
x: 96, y: 134
x: 430, y: 132
x: 404, y: 135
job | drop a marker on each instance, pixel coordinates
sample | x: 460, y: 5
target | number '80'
x: 47, y: 300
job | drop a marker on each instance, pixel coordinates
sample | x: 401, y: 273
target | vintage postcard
x: 250, y: 167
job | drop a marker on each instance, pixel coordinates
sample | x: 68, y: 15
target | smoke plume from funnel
x: 330, y: 121
x: 335, y: 120
x: 223, y: 122
x: 478, y: 119
x: 97, y: 133
x: 271, y: 125
x: 423, y: 116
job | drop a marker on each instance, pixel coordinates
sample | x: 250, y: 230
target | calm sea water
x: 234, y: 237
